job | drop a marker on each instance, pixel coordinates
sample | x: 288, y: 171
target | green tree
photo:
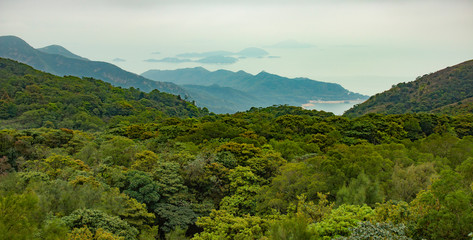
x: 95, y: 220
x: 17, y: 216
x: 140, y: 186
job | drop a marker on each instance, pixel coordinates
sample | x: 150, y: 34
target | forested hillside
x: 447, y: 91
x: 30, y: 98
x: 80, y: 159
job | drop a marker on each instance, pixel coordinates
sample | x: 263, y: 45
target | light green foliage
x: 340, y: 220
x: 221, y: 224
x: 145, y: 161
x: 84, y: 233
x: 393, y: 212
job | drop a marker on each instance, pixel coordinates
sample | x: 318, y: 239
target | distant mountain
x: 447, y: 91
x: 263, y: 89
x: 59, y: 50
x: 60, y: 63
x: 30, y: 98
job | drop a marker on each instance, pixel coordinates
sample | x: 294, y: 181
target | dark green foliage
x: 140, y: 186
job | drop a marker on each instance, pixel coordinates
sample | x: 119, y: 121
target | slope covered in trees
x: 30, y: 98
x: 447, y: 91
x: 269, y: 173
x: 156, y: 167
x: 58, y: 61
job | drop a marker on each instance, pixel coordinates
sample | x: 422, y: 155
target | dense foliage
x: 269, y: 173
x: 447, y: 91
x: 30, y: 98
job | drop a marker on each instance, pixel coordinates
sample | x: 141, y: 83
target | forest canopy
x: 174, y: 171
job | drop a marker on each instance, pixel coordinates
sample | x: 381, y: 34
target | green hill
x: 58, y: 61
x: 446, y: 91
x: 31, y: 98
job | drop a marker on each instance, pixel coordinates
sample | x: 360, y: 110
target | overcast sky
x: 397, y: 39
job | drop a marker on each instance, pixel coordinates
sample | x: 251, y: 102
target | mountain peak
x: 9, y: 42
x: 59, y: 50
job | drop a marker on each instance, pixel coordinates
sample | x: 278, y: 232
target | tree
x: 95, y: 220
x: 340, y: 220
x: 360, y: 191
x: 221, y: 224
x: 118, y: 151
x: 140, y: 186
x: 17, y: 216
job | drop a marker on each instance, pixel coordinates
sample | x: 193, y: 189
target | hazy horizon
x: 366, y: 46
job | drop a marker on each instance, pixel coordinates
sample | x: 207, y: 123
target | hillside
x: 58, y: 61
x: 31, y: 98
x: 266, y: 89
x: 446, y: 91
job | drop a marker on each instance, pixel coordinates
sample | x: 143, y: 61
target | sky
x: 364, y: 45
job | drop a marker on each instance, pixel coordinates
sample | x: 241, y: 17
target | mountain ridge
x: 266, y: 88
x: 17, y: 49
